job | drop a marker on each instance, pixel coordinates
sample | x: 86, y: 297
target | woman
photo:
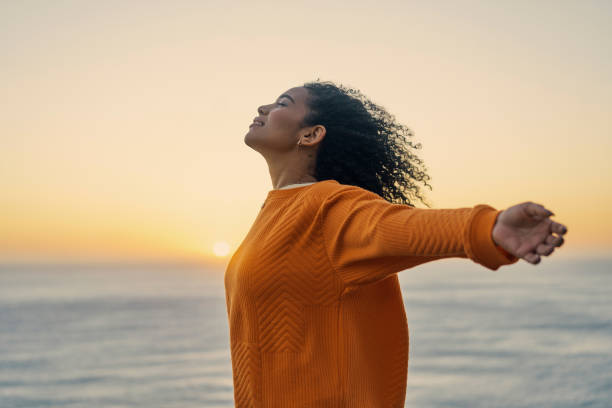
x: 315, y: 310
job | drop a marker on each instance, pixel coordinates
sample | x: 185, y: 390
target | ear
x: 313, y: 135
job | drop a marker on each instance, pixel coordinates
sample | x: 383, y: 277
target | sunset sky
x: 122, y: 123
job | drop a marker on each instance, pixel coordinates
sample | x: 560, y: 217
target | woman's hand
x: 525, y: 231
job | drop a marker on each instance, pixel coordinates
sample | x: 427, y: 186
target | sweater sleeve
x: 368, y: 238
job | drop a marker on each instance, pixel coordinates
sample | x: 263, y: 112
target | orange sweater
x: 316, y: 315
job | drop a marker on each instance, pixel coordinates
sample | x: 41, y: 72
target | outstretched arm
x: 368, y: 238
x: 525, y: 231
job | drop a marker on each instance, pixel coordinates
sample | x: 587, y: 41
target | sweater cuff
x: 479, y: 244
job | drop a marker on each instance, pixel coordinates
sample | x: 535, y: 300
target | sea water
x: 157, y: 336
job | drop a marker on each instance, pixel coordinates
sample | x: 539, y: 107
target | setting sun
x: 221, y: 248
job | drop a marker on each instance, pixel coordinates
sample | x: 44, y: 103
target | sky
x: 122, y: 123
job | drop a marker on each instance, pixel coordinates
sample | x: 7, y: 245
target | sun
x: 221, y: 248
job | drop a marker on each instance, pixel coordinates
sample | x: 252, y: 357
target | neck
x: 285, y: 181
x: 283, y: 174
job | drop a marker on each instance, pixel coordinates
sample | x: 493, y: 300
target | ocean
x: 157, y: 336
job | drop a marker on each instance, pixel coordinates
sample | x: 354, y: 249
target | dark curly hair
x: 364, y: 145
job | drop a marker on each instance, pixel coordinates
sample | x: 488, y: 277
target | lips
x: 257, y: 122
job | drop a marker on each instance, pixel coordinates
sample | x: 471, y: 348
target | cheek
x: 284, y: 121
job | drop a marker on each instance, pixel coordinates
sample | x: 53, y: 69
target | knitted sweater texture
x: 315, y: 311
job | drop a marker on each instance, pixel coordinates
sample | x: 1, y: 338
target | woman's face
x: 277, y: 128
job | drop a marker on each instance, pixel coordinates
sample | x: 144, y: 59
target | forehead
x: 298, y: 93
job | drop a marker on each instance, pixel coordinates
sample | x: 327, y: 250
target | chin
x: 248, y: 140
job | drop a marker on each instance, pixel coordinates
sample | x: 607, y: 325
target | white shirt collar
x: 295, y: 185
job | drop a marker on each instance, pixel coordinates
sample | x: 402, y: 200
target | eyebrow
x: 288, y: 97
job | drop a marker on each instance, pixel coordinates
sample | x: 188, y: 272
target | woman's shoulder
x: 332, y: 190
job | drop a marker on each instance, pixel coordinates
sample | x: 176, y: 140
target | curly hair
x: 364, y: 145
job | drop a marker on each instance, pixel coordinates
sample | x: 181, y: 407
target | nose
x: 261, y: 110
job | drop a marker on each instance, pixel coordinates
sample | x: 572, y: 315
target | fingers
x: 558, y: 228
x: 532, y: 258
x: 554, y: 240
x: 544, y: 249
x: 537, y: 210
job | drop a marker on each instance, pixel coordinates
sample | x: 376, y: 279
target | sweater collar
x: 289, y: 192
